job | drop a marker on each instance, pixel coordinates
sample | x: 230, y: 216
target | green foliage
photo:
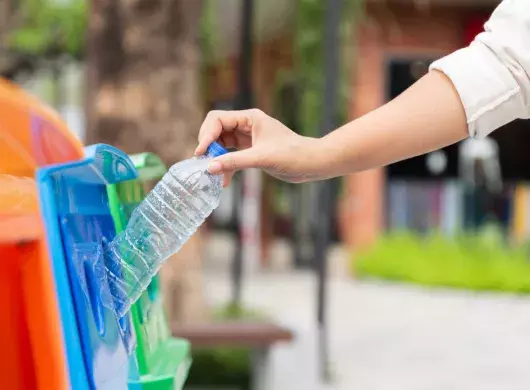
x: 220, y: 367
x: 207, y: 42
x: 233, y: 312
x: 309, y: 68
x: 207, y: 32
x: 309, y: 49
x: 475, y: 262
x: 51, y: 28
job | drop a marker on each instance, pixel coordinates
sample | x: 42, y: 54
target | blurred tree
x: 50, y: 28
x: 144, y: 77
x: 9, y: 19
x: 299, y: 100
x: 40, y: 30
x: 6, y: 16
x: 309, y: 49
x: 41, y: 34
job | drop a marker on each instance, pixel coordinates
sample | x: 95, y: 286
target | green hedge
x: 479, y: 262
x: 224, y: 367
x: 220, y: 367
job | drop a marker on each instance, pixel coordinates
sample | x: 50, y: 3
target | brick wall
x: 269, y: 58
x: 390, y: 31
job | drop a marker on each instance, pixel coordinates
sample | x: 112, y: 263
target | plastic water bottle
x: 168, y: 216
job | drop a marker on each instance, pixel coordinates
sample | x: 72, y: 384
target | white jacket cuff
x: 490, y: 95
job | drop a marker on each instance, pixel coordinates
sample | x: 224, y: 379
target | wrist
x: 329, y: 157
x: 320, y: 158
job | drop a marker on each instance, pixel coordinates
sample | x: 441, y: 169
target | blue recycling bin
x: 74, y: 204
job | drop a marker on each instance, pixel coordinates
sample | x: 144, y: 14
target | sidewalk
x: 393, y: 337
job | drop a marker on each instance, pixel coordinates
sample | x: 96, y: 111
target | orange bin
x: 31, y: 345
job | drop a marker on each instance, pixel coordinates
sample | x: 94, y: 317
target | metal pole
x: 244, y: 100
x: 331, y: 71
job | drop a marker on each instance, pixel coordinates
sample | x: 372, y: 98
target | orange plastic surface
x: 31, y: 134
x: 31, y: 344
x: 18, y: 195
x: 17, y: 367
x: 19, y: 210
x: 30, y: 334
x: 45, y: 325
x: 19, y: 228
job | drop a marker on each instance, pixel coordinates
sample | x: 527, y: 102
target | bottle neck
x: 215, y: 150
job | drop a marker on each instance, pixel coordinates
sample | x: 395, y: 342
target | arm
x: 471, y: 92
x: 426, y: 117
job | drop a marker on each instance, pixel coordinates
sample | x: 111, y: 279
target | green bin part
x: 163, y: 361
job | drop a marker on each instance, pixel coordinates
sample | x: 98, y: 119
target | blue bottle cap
x: 215, y: 150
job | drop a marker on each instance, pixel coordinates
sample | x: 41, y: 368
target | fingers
x: 216, y: 168
x: 227, y: 179
x: 221, y: 125
x: 224, y: 123
x: 228, y: 140
x: 230, y: 163
x: 233, y: 162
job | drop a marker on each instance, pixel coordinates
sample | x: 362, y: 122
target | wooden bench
x: 258, y: 337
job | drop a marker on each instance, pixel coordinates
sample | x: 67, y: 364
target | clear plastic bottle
x: 168, y: 216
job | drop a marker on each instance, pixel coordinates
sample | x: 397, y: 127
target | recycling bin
x: 163, y: 361
x: 78, y: 223
x: 31, y: 337
x: 32, y: 345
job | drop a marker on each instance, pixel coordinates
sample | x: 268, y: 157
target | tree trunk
x: 5, y: 13
x: 144, y: 96
x: 9, y: 65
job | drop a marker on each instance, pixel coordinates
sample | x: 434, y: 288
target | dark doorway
x: 401, y: 74
x: 513, y: 139
x: 514, y: 150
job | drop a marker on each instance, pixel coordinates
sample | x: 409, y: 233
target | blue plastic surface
x: 78, y: 224
x: 216, y: 149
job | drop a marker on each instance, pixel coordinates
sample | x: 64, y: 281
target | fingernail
x: 215, y: 167
x: 197, y: 151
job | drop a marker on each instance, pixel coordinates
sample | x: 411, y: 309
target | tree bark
x: 146, y: 71
x: 10, y: 65
x: 144, y: 96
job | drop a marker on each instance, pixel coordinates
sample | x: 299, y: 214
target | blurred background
x: 410, y: 277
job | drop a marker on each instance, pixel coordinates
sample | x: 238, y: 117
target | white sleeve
x: 492, y: 75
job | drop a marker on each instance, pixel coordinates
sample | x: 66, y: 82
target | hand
x: 262, y: 142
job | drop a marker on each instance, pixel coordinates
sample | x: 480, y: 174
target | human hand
x: 261, y: 142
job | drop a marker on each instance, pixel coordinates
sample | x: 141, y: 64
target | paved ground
x: 394, y: 337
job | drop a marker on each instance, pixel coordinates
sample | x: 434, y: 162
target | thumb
x: 235, y: 161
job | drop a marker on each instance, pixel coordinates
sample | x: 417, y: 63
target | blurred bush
x: 50, y: 28
x: 220, y: 367
x: 481, y: 261
x: 224, y: 367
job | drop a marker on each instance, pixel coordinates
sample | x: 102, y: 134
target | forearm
x: 426, y: 117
